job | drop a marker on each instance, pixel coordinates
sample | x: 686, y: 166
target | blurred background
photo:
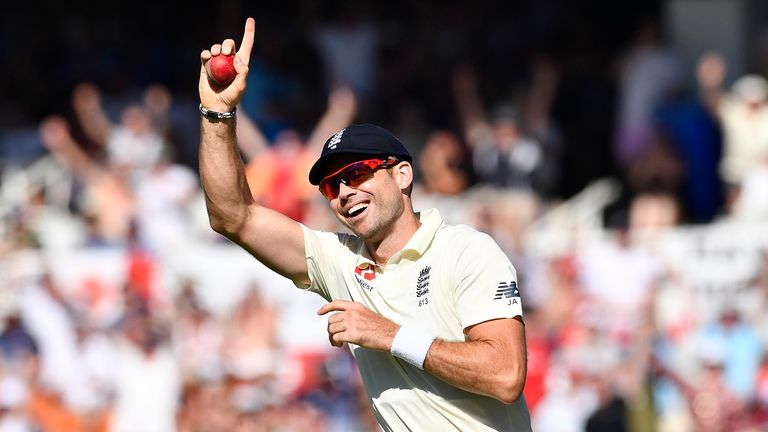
x: 617, y: 151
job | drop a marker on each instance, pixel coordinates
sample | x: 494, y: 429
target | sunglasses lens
x: 352, y: 175
x: 357, y: 176
x: 329, y: 188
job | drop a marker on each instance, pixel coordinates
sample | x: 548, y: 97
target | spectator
x: 348, y: 46
x: 277, y: 173
x: 249, y: 348
x: 618, y: 278
x: 611, y: 415
x: 712, y: 406
x: 18, y: 362
x: 107, y: 198
x: 132, y: 144
x: 197, y: 338
x: 503, y: 156
x: 537, y: 103
x: 50, y: 321
x: 694, y: 137
x: 743, y: 117
x: 740, y: 348
x: 147, y: 382
x: 207, y: 407
x: 444, y: 165
x: 649, y: 74
x: 751, y: 205
x: 163, y: 197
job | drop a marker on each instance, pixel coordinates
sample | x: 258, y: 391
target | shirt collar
x: 422, y: 238
x: 364, y: 259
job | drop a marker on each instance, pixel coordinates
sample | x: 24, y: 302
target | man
x: 431, y: 312
x: 742, y: 114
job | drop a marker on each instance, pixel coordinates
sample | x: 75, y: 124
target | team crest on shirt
x: 365, y: 275
x: 422, y: 286
x: 508, y: 291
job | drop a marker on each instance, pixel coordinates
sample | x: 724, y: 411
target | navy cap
x: 364, y: 139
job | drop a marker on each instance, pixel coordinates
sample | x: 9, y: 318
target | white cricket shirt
x: 445, y: 279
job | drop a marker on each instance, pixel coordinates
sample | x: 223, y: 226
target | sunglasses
x: 353, y: 175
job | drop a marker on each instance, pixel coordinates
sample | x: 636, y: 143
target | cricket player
x: 430, y: 311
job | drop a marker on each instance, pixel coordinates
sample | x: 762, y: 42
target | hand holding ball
x: 221, y: 69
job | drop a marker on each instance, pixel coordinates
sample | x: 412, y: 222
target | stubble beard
x: 382, y: 222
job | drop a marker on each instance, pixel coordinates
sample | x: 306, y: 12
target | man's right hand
x: 225, y: 99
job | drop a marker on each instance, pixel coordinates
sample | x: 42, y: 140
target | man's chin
x: 357, y: 229
x: 363, y: 234
x: 353, y: 228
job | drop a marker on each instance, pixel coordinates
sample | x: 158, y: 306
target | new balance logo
x: 336, y: 139
x: 507, y: 290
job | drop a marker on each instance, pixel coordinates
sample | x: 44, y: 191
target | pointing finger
x: 247, y: 44
x: 336, y: 305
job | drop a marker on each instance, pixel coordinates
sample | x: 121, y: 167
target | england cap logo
x: 335, y: 139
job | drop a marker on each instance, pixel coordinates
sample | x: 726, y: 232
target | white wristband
x: 411, y: 344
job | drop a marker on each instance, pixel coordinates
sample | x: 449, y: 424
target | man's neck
x: 395, y: 239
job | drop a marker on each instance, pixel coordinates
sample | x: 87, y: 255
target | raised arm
x: 469, y: 105
x: 273, y: 238
x: 57, y: 138
x: 157, y: 101
x: 86, y: 101
x: 250, y: 140
x: 538, y: 101
x: 342, y: 108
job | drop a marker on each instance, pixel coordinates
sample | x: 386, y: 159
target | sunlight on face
x: 385, y: 206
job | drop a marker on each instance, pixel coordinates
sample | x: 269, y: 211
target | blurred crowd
x: 636, y: 219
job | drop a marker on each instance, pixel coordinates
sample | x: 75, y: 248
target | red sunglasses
x: 353, y: 175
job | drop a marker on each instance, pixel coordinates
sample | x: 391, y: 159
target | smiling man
x: 430, y: 311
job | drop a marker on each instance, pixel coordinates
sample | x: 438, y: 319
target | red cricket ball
x: 221, y: 69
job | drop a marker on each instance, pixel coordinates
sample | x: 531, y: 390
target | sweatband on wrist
x: 411, y: 344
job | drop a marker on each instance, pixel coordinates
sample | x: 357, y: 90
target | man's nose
x: 345, y: 190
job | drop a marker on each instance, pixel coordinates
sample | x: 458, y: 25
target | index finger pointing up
x: 247, y: 45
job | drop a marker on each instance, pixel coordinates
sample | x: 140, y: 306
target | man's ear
x: 404, y: 175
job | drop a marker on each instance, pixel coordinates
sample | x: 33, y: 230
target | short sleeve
x: 486, y: 282
x: 316, y: 246
x: 326, y: 254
